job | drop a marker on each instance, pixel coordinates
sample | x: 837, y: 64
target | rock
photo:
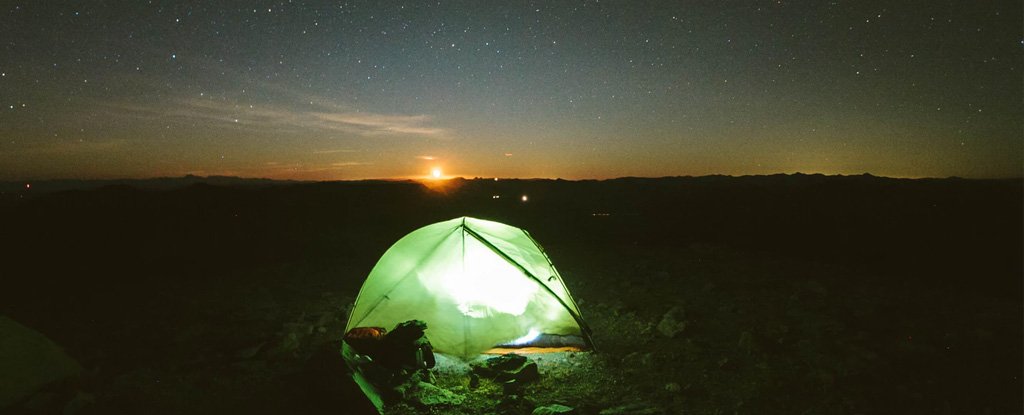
x: 647, y: 329
x: 511, y: 388
x: 523, y: 374
x: 249, y: 352
x: 509, y: 368
x: 672, y: 323
x: 636, y: 360
x: 553, y: 409
x: 29, y: 362
x: 290, y: 343
x: 493, y: 366
x: 639, y: 408
x: 430, y: 395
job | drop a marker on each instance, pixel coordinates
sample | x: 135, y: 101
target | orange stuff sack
x: 365, y: 340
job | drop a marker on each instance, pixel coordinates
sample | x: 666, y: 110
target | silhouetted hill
x: 159, y: 183
x: 947, y: 225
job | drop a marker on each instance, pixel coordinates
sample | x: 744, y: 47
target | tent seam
x: 392, y: 288
x: 584, y: 328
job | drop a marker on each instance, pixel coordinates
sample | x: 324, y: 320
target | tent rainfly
x: 476, y: 283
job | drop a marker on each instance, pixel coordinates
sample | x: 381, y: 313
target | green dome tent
x: 476, y: 283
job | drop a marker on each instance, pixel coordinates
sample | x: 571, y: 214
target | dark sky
x: 584, y: 89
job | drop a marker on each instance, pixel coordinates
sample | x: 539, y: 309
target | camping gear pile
x: 390, y: 359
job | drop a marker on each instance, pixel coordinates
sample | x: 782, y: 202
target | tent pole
x: 579, y: 320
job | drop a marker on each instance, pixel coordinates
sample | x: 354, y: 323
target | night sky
x: 581, y: 89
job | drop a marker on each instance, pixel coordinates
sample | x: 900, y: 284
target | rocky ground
x: 695, y: 327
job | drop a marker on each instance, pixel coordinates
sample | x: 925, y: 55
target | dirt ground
x: 255, y: 327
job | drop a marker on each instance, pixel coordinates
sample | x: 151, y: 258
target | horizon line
x: 425, y: 178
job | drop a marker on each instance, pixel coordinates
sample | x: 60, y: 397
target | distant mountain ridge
x: 156, y: 183
x: 167, y: 183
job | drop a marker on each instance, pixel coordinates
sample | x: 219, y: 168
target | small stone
x: 553, y: 409
x: 290, y: 343
x: 636, y: 360
x: 672, y: 323
x: 249, y: 352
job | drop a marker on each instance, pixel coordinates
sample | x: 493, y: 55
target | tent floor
x: 531, y: 350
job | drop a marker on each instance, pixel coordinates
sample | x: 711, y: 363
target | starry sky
x: 570, y: 89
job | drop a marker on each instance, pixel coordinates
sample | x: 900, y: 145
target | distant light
x: 28, y: 185
x: 495, y: 179
x: 436, y: 172
x: 496, y: 197
x: 524, y: 198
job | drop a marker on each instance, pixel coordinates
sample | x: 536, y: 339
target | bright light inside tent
x: 435, y: 172
x: 529, y: 337
x: 487, y: 285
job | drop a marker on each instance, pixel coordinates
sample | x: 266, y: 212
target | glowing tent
x: 476, y: 283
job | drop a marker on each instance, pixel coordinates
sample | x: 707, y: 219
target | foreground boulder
x: 29, y: 362
x: 510, y: 368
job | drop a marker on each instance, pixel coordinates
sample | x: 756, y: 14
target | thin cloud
x: 428, y: 158
x: 374, y: 124
x: 227, y: 113
x: 278, y: 168
x: 63, y: 147
x: 342, y: 150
